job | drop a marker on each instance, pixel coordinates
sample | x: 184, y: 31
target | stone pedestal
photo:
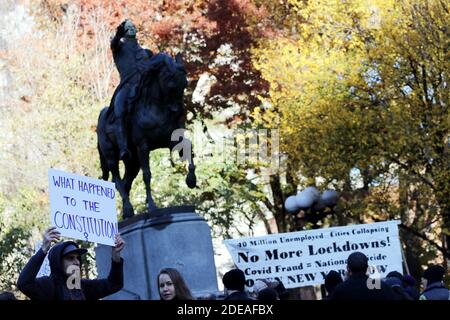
x: 175, y: 237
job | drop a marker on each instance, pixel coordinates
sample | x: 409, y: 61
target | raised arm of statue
x: 115, y: 42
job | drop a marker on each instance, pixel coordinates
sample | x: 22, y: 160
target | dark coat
x: 54, y: 287
x: 396, y: 285
x: 238, y: 295
x: 412, y: 292
x: 355, y: 288
x: 435, y: 291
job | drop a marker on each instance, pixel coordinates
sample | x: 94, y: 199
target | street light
x: 311, y: 201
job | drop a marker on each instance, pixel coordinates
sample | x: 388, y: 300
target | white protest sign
x: 304, y: 258
x: 83, y: 208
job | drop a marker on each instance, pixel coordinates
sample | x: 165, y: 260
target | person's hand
x: 51, y: 235
x: 119, y: 245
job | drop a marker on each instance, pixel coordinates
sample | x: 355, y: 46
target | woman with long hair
x: 172, y: 286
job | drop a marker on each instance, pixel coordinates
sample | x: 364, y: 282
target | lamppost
x: 314, y: 204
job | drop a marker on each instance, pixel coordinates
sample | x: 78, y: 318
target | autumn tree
x: 214, y: 37
x: 360, y: 94
x: 63, y: 75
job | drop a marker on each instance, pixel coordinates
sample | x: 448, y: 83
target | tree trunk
x: 412, y: 253
x: 282, y: 217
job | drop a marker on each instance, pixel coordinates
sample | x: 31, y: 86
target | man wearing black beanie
x: 234, y: 283
x: 434, y: 287
x: 332, y: 280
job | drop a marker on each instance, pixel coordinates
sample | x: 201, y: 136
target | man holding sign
x: 64, y: 282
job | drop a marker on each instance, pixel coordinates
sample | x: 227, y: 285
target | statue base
x: 175, y: 237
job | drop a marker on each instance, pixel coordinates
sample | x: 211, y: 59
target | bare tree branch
x: 424, y: 237
x: 409, y: 169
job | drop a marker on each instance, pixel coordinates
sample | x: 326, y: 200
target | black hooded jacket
x: 54, y: 287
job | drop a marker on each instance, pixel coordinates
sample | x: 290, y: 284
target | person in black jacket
x: 332, y: 280
x: 64, y: 282
x: 409, y: 283
x: 358, y: 286
x: 234, y: 283
x: 433, y: 282
x: 396, y: 284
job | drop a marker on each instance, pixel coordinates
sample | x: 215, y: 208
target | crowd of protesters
x: 395, y: 286
x: 356, y: 286
x: 65, y: 281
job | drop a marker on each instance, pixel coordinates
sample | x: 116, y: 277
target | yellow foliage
x: 362, y: 84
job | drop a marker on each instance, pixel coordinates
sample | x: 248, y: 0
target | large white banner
x: 83, y: 208
x: 304, y: 258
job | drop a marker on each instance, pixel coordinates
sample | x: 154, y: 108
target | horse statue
x: 155, y: 120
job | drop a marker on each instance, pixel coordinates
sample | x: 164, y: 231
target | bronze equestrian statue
x: 146, y: 113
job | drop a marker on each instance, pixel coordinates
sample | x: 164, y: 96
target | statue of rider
x: 131, y: 61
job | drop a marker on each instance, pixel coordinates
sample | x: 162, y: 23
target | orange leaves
x: 164, y: 28
x: 198, y: 29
